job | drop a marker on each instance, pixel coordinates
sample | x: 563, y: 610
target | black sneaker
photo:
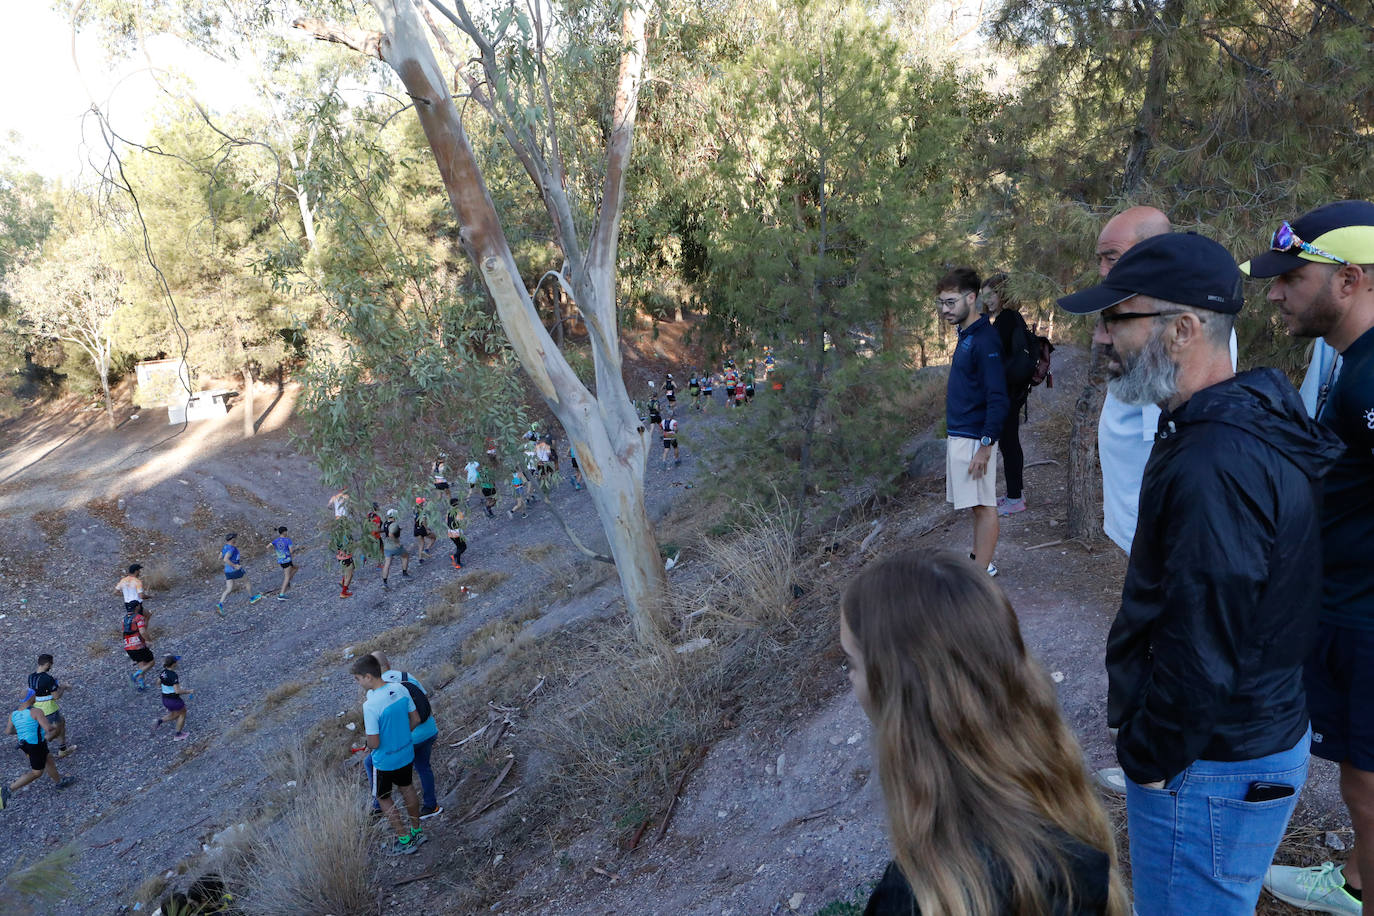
x: 66, y: 781
x: 406, y: 574
x: 427, y: 813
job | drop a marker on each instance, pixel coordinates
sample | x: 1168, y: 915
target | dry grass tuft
x: 53, y: 524
x: 758, y: 570
x: 538, y: 553
x: 392, y: 641
x: 496, y: 635
x: 315, y: 860
x: 481, y: 580
x: 157, y: 576
x: 280, y: 694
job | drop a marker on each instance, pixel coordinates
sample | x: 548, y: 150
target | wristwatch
x: 985, y: 441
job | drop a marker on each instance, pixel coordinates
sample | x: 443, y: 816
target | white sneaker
x: 992, y: 570
x: 1320, y: 889
x: 1113, y: 779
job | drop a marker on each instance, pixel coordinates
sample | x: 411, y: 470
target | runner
x: 281, y: 546
x: 374, y: 518
x: 576, y: 471
x: 389, y: 716
x: 131, y: 587
x: 730, y: 379
x: 543, y: 456
x: 488, y: 485
x: 138, y: 647
x: 455, y: 531
x: 707, y: 390
x: 440, y: 473
x: 46, y: 694
x: 233, y: 574
x: 739, y: 391
x: 421, y: 529
x: 655, y: 413
x: 343, y: 552
x: 517, y: 484
x: 473, y: 468
x: 694, y: 389
x: 392, y: 548
x: 339, y: 503
x: 670, y: 393
x: 31, y: 726
x: 749, y: 383
x: 669, y: 428
x: 422, y: 736
x: 172, y: 694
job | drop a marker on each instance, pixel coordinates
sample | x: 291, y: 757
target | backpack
x: 422, y: 707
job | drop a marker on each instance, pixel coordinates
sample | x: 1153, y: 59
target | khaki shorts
x: 962, y: 490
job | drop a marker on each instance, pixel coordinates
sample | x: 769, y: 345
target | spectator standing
x: 1322, y: 267
x: 1018, y: 366
x: 1204, y: 658
x: 975, y: 409
x: 1005, y: 822
x: 389, y: 717
x: 422, y: 736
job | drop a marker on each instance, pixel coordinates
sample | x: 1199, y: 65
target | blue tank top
x: 26, y: 726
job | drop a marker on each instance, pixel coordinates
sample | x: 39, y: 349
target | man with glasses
x: 1322, y: 267
x: 976, y: 405
x: 1204, y: 659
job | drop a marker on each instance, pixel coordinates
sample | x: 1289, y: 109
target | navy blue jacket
x: 976, y: 401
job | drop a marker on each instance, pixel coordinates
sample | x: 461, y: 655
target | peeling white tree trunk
x: 611, y: 444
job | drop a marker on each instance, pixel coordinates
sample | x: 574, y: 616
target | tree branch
x: 373, y: 44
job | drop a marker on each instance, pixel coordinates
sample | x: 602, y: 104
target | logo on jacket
x: 1369, y: 418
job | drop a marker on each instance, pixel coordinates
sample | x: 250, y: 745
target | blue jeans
x: 422, y: 770
x: 1197, y: 846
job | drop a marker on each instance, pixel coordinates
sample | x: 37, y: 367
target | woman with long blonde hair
x: 989, y: 807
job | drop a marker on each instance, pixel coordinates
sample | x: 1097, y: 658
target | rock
x: 927, y: 459
x: 836, y: 740
x: 351, y: 727
x: 782, y: 759
x: 795, y: 901
x: 178, y: 520
x: 1057, y: 677
x: 854, y: 738
x: 1334, y: 840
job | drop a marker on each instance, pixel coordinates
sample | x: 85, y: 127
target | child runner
x: 421, y: 529
x: 31, y: 726
x: 488, y: 485
x: 517, y: 483
x: 422, y: 736
x: 670, y: 393
x: 440, y: 473
x: 46, y: 694
x: 131, y: 588
x: 392, y: 548
x: 707, y: 390
x: 281, y: 546
x: 389, y: 716
x: 694, y: 389
x: 172, y: 693
x: 137, y: 647
x: 670, y: 441
x: 739, y: 391
x: 455, y: 532
x: 233, y: 574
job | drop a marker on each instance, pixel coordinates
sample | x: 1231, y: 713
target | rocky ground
x: 781, y: 816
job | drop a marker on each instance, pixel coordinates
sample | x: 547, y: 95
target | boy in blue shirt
x: 389, y: 716
x: 422, y: 736
x: 281, y: 547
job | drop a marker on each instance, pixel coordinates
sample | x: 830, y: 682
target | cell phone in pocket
x: 1268, y: 791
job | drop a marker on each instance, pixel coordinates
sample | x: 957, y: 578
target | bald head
x: 1126, y: 230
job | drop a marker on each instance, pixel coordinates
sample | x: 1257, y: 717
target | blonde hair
x: 981, y: 776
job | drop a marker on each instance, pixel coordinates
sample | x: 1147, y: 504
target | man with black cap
x: 1322, y: 267
x: 1204, y: 659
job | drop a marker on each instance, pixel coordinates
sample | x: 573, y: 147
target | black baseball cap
x: 1344, y: 228
x: 1180, y: 267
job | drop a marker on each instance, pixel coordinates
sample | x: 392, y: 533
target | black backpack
x: 422, y: 707
x: 1041, y: 348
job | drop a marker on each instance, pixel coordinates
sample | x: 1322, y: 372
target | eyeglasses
x: 951, y: 303
x: 1287, y: 241
x: 1108, y: 320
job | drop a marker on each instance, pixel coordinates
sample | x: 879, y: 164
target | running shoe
x: 282, y: 598
x: 345, y: 594
x: 219, y: 608
x: 255, y: 599
x: 398, y: 846
x: 405, y: 573
x: 66, y: 751
x: 416, y: 837
x: 66, y: 781
x: 1320, y: 889
x: 181, y: 736
x: 427, y: 813
x: 1011, y: 506
x: 992, y: 571
x: 5, y: 794
x: 157, y: 723
x: 133, y: 677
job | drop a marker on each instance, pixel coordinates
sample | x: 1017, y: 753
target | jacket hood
x: 1264, y: 403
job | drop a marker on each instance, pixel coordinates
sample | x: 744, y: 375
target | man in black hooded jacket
x: 1205, y: 657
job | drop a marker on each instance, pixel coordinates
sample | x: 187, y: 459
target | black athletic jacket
x: 1204, y: 660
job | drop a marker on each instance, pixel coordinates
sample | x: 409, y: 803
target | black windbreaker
x: 1204, y: 659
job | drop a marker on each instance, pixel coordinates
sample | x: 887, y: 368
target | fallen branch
x: 677, y: 792
x: 535, y: 688
x: 1036, y: 464
x: 877, y: 529
x: 798, y: 821
x: 1047, y: 544
x: 411, y: 880
x: 496, y: 800
x: 106, y: 843
x: 638, y: 835
x: 481, y: 803
x: 944, y: 520
x: 476, y: 734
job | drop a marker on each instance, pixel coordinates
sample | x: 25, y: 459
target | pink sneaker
x: 181, y: 736
x: 1011, y: 506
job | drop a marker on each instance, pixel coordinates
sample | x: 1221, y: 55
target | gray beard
x: 1150, y: 378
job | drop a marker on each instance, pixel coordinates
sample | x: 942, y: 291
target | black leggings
x: 1013, y: 458
x: 459, y: 545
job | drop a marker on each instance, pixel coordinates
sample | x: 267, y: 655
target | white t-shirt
x: 131, y: 587
x: 341, y: 506
x: 472, y: 468
x: 1125, y: 436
